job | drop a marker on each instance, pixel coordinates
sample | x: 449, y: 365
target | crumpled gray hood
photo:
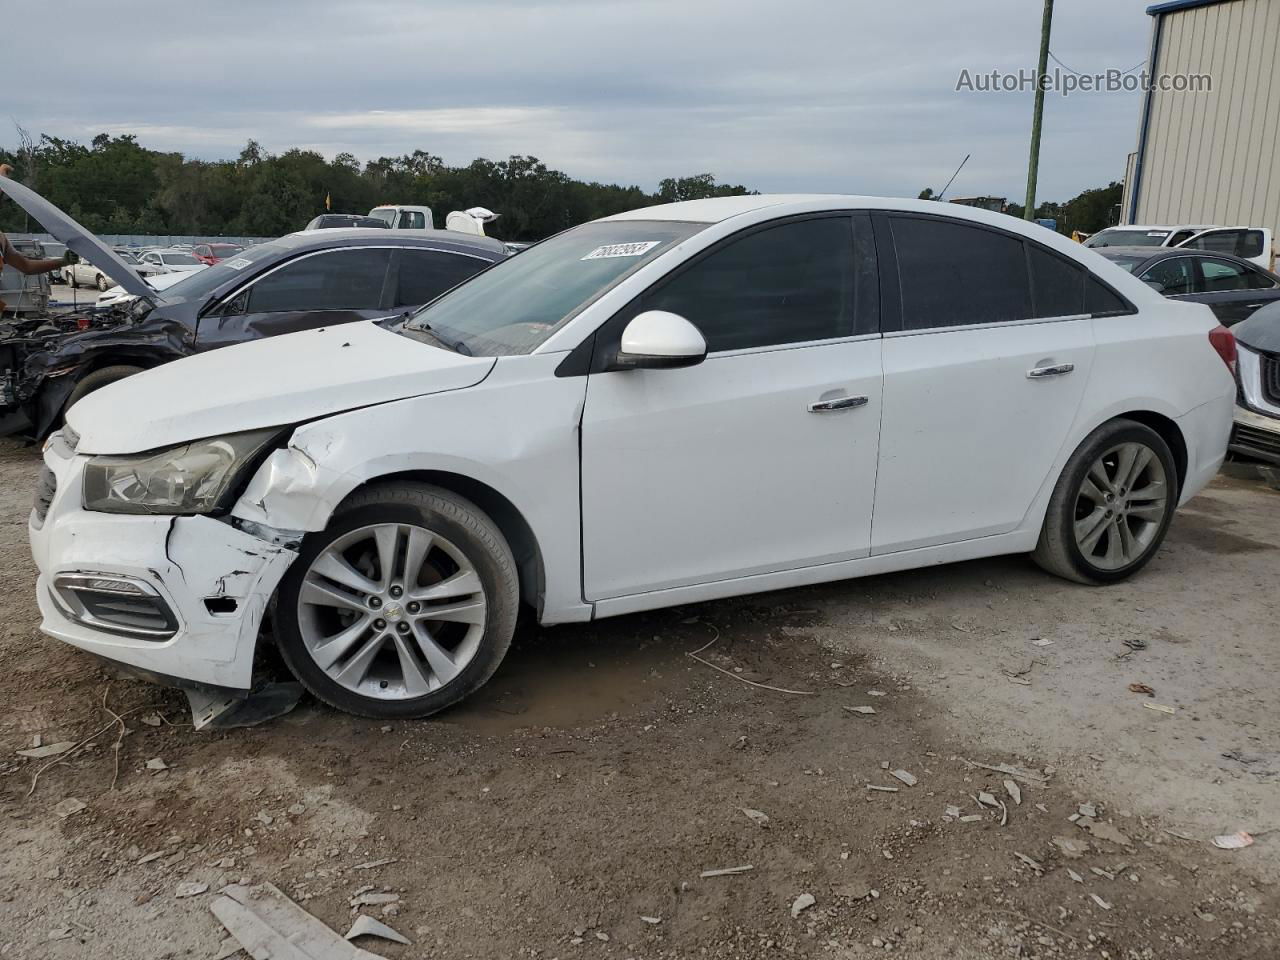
x: 76, y: 237
x: 1261, y: 331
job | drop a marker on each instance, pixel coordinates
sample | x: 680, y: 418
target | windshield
x: 514, y: 306
x: 179, y: 260
x: 1127, y: 238
x: 198, y: 285
x: 224, y: 250
x: 386, y: 214
x: 127, y: 257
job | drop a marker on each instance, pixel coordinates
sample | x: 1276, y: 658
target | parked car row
x: 1248, y: 243
x: 1231, y: 286
x: 299, y: 282
x: 669, y: 405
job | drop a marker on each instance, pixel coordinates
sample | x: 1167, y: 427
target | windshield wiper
x: 421, y: 326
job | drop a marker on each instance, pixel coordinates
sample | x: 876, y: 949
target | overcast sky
x: 804, y: 95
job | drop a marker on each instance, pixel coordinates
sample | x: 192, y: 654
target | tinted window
x: 1240, y: 243
x: 423, y: 275
x: 1171, y: 277
x: 1057, y: 285
x: 1180, y: 237
x: 1219, y: 276
x: 1099, y: 299
x: 785, y: 284
x: 340, y: 280
x: 412, y: 220
x: 1258, y: 280
x: 953, y: 274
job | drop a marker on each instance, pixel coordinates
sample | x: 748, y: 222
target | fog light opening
x: 221, y: 606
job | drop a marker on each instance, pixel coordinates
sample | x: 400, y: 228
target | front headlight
x: 192, y: 478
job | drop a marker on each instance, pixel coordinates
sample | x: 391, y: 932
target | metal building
x: 1210, y: 156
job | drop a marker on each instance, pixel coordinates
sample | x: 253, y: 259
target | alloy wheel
x: 1121, y: 505
x: 391, y: 611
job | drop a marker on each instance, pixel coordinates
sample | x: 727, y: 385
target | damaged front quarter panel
x: 293, y: 490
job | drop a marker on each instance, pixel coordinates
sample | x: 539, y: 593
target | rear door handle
x: 839, y: 403
x: 1054, y: 370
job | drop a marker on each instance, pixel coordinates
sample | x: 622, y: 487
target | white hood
x: 272, y: 382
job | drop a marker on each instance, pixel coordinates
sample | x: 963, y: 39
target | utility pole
x: 1033, y: 166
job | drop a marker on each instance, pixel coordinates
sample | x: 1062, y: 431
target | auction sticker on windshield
x: 610, y: 250
x: 239, y: 263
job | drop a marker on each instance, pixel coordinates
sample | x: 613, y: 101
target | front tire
x: 103, y: 285
x: 1112, y: 506
x: 404, y: 605
x: 97, y: 379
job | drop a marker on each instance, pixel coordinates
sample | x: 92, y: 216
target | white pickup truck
x: 1249, y: 243
x: 405, y: 217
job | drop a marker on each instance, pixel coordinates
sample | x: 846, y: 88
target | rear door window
x: 954, y: 275
x: 349, y: 279
x: 1239, y: 243
x: 422, y: 275
x: 1221, y: 276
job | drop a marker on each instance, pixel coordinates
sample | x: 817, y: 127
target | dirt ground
x: 570, y: 809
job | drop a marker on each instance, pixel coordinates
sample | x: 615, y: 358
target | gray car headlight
x: 192, y: 478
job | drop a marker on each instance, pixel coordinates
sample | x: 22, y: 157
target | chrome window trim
x: 798, y: 345
x: 993, y: 325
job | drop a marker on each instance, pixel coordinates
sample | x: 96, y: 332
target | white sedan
x: 171, y: 261
x: 158, y: 282
x: 666, y: 406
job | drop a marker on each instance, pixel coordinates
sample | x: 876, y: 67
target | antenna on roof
x: 953, y: 177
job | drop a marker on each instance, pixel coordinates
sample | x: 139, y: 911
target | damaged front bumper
x: 176, y: 597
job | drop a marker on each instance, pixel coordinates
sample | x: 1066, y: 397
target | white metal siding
x: 1213, y: 157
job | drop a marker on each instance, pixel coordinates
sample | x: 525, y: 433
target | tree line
x: 116, y: 185
x: 1089, y: 211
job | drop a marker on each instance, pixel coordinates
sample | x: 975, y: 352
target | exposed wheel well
x: 1169, y: 432
x: 514, y: 527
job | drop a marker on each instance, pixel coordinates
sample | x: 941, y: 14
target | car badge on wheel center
x: 393, y: 612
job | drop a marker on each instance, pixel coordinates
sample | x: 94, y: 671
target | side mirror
x: 658, y: 340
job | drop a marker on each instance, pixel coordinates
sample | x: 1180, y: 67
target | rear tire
x: 1111, y: 507
x: 356, y: 617
x: 97, y: 379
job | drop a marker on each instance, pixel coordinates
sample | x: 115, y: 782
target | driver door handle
x: 1054, y: 370
x: 839, y: 403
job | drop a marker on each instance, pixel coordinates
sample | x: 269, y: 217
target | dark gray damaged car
x: 300, y: 282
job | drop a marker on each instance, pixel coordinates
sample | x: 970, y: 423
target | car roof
x: 357, y: 236
x: 1167, y: 253
x: 1164, y: 227
x: 719, y: 209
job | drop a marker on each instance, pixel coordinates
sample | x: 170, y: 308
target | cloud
x: 821, y: 95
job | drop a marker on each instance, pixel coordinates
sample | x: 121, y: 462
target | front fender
x: 516, y: 432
